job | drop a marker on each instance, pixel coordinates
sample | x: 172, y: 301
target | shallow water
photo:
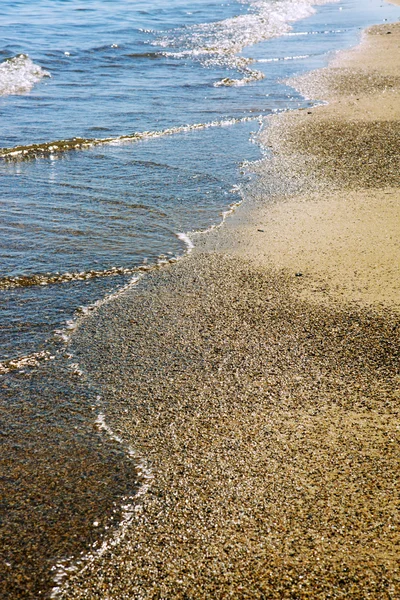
x: 112, y: 69
x: 89, y: 196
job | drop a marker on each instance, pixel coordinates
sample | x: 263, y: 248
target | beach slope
x: 259, y: 377
x: 334, y: 216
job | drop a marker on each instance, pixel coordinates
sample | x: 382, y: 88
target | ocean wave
x: 59, y: 146
x: 220, y: 42
x: 19, y: 74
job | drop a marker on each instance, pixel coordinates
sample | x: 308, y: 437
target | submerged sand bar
x: 259, y: 377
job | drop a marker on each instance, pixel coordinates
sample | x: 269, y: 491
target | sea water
x: 124, y: 125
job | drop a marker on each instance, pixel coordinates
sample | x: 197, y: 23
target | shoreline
x: 336, y: 219
x: 265, y: 400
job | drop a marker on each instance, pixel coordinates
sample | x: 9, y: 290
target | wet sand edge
x: 268, y: 419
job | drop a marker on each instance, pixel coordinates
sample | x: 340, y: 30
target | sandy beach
x: 259, y: 377
x: 340, y: 226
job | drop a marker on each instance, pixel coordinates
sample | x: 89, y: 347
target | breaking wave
x: 19, y: 74
x: 219, y: 43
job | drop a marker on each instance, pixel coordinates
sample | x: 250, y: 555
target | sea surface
x: 124, y: 126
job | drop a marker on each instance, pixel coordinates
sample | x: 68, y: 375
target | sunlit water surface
x: 123, y: 124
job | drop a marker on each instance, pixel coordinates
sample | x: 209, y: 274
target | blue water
x: 115, y: 68
x: 74, y: 225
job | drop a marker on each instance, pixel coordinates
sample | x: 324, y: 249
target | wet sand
x: 259, y: 377
x: 61, y: 477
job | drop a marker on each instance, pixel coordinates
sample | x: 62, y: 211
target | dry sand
x: 342, y: 231
x: 269, y: 421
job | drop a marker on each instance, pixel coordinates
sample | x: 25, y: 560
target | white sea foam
x: 230, y: 36
x: 19, y: 74
x: 269, y: 60
x: 251, y: 77
x: 219, y: 43
x: 185, y: 237
x: 186, y: 240
x: 130, y: 507
x: 53, y: 278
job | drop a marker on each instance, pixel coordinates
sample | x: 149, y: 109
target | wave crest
x: 219, y: 43
x: 19, y: 74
